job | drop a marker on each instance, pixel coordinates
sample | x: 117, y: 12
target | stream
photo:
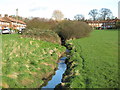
x: 57, y: 78
x: 62, y: 66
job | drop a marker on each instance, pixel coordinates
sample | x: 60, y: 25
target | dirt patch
x: 44, y: 63
x: 14, y: 75
x: 26, y: 81
x: 4, y: 85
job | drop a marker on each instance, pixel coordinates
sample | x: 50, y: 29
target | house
x: 105, y: 24
x: 4, y: 23
x: 9, y: 22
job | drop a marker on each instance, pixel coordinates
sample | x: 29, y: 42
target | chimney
x: 6, y: 15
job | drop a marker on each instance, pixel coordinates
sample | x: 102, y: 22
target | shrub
x: 40, y: 23
x: 40, y: 28
x: 46, y: 35
x: 118, y: 24
x: 72, y: 29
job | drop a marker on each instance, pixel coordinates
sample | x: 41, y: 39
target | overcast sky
x: 45, y: 8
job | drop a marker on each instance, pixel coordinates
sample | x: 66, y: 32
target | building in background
x: 119, y: 10
x: 4, y: 23
x: 11, y: 23
x: 105, y: 24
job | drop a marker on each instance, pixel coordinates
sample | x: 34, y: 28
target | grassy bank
x: 0, y: 59
x: 25, y: 61
x: 94, y: 61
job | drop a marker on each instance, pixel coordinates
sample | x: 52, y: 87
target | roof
x: 10, y: 19
x: 21, y: 21
x: 1, y: 19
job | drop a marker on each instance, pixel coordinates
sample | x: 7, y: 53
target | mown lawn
x: 25, y: 61
x: 94, y: 61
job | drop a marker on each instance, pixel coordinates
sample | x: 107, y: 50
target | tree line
x: 95, y: 14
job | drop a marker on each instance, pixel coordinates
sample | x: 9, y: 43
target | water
x: 56, y: 79
x: 67, y: 51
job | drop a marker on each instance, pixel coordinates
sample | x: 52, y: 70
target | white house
x: 9, y: 22
x: 103, y: 24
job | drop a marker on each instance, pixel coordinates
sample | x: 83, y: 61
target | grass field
x: 0, y: 59
x: 25, y: 61
x: 94, y: 61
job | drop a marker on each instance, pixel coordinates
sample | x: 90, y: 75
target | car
x: 21, y: 30
x: 6, y: 31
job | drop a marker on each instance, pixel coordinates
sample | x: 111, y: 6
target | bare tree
x: 57, y: 15
x: 93, y: 13
x: 104, y: 12
x: 79, y: 17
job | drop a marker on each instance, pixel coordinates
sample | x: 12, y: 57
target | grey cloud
x: 38, y: 8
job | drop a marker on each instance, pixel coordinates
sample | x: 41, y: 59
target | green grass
x: 0, y: 60
x: 26, y: 61
x: 95, y: 62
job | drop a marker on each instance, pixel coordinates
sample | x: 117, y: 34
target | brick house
x: 4, y: 23
x: 108, y: 24
x: 9, y: 22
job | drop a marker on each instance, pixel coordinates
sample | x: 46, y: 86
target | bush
x: 46, y: 35
x: 118, y: 24
x: 40, y: 28
x: 72, y: 29
x: 45, y: 29
x: 40, y: 23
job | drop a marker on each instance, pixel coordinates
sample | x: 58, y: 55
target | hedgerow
x: 40, y: 28
x: 47, y: 30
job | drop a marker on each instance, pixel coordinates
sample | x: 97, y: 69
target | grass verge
x: 0, y: 60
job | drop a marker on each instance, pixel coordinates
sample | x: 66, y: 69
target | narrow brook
x: 56, y: 79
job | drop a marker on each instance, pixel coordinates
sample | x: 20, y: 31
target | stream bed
x: 57, y: 78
